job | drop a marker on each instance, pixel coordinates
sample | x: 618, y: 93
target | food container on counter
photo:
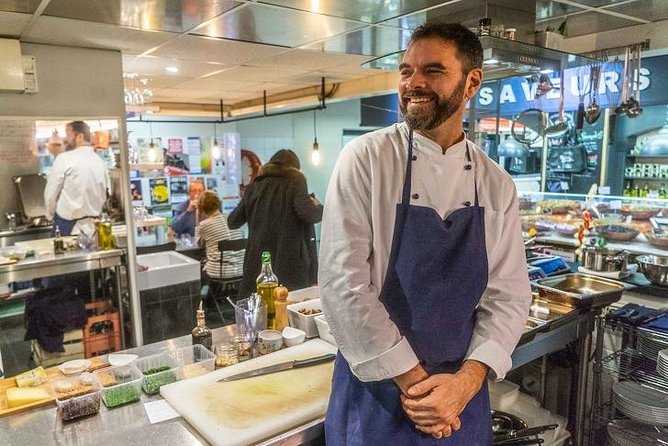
x: 157, y: 370
x: 77, y: 397
x: 120, y: 384
x: 323, y: 329
x: 194, y: 360
x: 302, y: 316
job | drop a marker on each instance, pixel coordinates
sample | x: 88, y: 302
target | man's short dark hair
x: 81, y: 127
x: 464, y: 40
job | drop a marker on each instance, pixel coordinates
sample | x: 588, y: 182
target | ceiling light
x: 547, y: 71
x: 315, y: 153
x: 172, y: 68
x: 216, y: 153
x: 490, y: 62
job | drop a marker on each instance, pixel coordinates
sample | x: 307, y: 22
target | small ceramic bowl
x: 269, y: 341
x: 293, y: 336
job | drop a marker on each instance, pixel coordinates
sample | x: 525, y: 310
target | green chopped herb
x: 120, y: 395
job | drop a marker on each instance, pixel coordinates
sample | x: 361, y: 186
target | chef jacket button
x: 414, y: 157
x: 416, y: 196
x: 468, y: 167
x: 467, y: 203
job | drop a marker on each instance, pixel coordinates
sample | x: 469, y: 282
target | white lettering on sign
x: 507, y: 94
x: 529, y: 90
x: 609, y: 83
x: 486, y: 96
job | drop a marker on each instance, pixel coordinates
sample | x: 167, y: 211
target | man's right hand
x: 192, y: 205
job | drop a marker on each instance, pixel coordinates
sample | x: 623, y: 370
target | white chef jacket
x: 356, y: 237
x: 77, y: 185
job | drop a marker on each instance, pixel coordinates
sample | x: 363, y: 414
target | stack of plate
x: 650, y: 342
x: 662, y: 363
x: 642, y: 404
x: 630, y: 433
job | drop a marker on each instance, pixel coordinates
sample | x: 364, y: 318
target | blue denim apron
x: 435, y: 277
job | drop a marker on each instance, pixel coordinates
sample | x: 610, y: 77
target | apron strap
x: 405, y: 195
x: 475, y: 182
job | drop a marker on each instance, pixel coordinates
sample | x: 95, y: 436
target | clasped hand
x: 435, y: 403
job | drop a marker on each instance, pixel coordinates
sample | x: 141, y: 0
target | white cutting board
x: 250, y: 410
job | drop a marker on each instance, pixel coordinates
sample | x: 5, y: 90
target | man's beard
x: 427, y: 118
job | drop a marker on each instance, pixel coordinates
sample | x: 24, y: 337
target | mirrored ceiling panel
x: 23, y: 6
x: 651, y: 10
x: 370, y: 41
x: 276, y: 26
x: 369, y: 11
x: 547, y: 9
x: 158, y: 15
x: 581, y: 24
x: 603, y: 3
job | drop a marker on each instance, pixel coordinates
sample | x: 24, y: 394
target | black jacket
x: 280, y: 217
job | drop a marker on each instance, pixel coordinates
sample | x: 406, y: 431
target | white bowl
x: 74, y: 366
x: 116, y: 359
x: 293, y: 336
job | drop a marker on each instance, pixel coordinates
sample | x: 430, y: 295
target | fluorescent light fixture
x: 172, y: 68
x: 547, y: 71
x: 490, y: 62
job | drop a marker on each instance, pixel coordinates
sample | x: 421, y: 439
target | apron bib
x: 431, y: 292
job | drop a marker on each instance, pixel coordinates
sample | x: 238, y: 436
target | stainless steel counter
x: 128, y: 425
x: 46, y: 265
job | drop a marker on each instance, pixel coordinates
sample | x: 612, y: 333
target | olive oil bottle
x: 266, y: 285
x: 201, y: 333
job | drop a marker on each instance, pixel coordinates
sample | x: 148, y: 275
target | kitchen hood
x: 504, y: 58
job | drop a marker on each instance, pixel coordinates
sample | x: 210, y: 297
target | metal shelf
x: 632, y: 365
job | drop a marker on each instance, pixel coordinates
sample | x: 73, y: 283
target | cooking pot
x: 596, y: 258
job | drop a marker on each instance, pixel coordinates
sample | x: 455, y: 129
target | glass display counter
x: 639, y: 225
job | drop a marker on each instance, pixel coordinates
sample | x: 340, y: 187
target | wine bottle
x: 266, y: 284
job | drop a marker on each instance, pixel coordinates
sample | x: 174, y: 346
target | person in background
x: 78, y: 185
x: 280, y: 215
x: 212, y: 229
x: 185, y: 212
x: 422, y: 274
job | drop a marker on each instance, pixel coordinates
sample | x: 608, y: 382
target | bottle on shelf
x: 58, y: 243
x: 281, y: 304
x: 636, y: 191
x: 645, y: 191
x: 201, y: 333
x: 663, y: 194
x: 627, y: 190
x: 266, y: 284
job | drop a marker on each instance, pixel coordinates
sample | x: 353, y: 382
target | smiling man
x: 422, y: 271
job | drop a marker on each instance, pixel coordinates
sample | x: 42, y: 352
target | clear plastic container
x: 194, y: 360
x: 120, y: 385
x: 77, y: 397
x: 157, y: 370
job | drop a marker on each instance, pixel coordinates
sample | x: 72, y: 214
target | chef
x: 422, y: 272
x: 78, y: 183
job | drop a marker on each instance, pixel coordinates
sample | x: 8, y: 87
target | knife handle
x: 313, y: 361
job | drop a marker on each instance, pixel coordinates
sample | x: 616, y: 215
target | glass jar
x: 244, y: 348
x: 226, y: 355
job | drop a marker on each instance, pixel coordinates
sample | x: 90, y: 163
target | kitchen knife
x: 281, y: 366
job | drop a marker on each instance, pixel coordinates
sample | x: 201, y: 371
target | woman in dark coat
x: 280, y: 216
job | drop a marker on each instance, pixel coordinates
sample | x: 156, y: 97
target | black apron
x: 435, y: 278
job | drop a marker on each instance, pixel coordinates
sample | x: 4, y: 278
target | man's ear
x: 473, y: 82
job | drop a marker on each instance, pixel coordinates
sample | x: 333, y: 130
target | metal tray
x: 580, y: 290
x: 31, y: 194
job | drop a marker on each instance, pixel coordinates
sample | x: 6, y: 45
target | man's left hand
x: 434, y: 405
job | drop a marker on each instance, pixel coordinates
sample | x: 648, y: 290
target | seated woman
x: 210, y: 229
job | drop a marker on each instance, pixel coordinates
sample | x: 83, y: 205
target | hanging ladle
x: 559, y: 127
x: 624, y: 104
x: 633, y: 109
x: 593, y: 111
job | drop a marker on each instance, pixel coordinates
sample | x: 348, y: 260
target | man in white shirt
x: 78, y: 183
x: 422, y: 272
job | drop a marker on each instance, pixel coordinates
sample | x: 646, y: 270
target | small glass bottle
x: 58, y: 243
x: 662, y: 192
x: 627, y: 190
x: 636, y: 191
x: 201, y: 333
x: 645, y: 191
x: 266, y: 284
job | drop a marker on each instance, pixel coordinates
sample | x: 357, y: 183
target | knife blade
x: 281, y: 366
